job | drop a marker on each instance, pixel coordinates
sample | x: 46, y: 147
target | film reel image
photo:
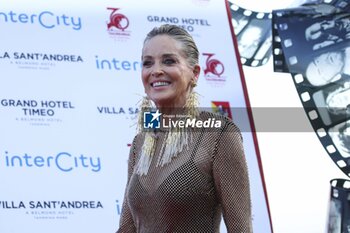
x: 306, y: 29
x: 253, y: 32
x: 342, y: 5
x: 339, y: 207
x: 313, y: 44
x: 334, y: 219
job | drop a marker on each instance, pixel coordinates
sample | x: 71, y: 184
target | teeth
x: 158, y: 84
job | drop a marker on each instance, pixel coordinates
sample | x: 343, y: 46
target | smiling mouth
x: 160, y: 84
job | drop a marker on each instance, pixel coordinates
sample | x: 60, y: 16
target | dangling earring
x: 175, y: 140
x: 193, y: 84
x: 148, y: 146
x: 146, y: 105
x: 192, y: 105
x: 147, y: 152
x: 192, y: 102
x: 178, y: 139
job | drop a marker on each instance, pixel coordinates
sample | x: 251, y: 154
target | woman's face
x: 324, y: 68
x: 166, y: 74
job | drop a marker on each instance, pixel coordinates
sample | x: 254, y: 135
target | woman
x: 182, y: 180
x: 328, y: 67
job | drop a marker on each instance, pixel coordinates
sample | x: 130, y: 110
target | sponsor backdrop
x: 70, y: 74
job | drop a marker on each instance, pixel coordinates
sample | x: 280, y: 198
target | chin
x: 162, y: 102
x: 162, y: 99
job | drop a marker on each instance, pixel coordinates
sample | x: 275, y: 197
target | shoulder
x: 225, y: 125
x: 136, y: 145
x: 137, y: 141
x: 227, y: 139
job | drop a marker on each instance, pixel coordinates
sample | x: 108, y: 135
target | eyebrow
x: 163, y: 55
x: 169, y: 55
x: 318, y: 69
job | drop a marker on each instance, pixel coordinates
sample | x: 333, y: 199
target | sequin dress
x: 191, y: 193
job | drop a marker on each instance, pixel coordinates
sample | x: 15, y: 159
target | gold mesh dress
x: 206, y: 180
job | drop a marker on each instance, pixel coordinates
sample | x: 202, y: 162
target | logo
x: 117, y: 110
x: 213, y: 66
x: 45, y: 19
x: 117, y: 24
x: 37, y: 112
x: 50, y: 209
x: 156, y: 120
x: 222, y: 108
x: 62, y: 161
x: 214, y: 70
x: 51, y: 205
x: 117, y: 20
x: 151, y: 120
x: 117, y: 64
x: 38, y: 60
x: 189, y: 24
x: 126, y: 112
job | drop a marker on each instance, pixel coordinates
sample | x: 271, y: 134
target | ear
x: 196, y: 71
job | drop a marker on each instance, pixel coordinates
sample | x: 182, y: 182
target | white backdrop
x: 69, y: 94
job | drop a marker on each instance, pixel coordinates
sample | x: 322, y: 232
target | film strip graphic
x: 342, y: 5
x: 279, y: 62
x: 315, y: 45
x: 329, y: 117
x: 253, y: 33
x: 339, y: 206
x: 317, y: 11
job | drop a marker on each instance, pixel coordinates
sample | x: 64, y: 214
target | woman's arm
x: 231, y: 180
x: 126, y: 223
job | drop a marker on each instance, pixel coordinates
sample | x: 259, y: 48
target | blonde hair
x: 189, y: 46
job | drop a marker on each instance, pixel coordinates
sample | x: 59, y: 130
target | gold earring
x: 192, y: 105
x: 193, y: 83
x: 146, y: 105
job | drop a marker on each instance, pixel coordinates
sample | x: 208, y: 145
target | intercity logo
x: 157, y: 120
x: 117, y: 24
x: 117, y: 64
x: 222, y: 108
x: 45, y: 19
x: 62, y: 161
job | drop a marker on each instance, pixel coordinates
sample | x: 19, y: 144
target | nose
x: 157, y: 71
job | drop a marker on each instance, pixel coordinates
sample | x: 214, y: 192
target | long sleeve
x: 126, y: 223
x: 231, y: 180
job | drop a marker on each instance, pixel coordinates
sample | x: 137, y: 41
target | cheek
x: 144, y: 77
x: 187, y: 79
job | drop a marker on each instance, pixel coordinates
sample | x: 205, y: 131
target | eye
x: 146, y: 63
x: 169, y: 61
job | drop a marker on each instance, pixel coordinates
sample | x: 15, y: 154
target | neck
x: 171, y: 109
x: 178, y: 105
